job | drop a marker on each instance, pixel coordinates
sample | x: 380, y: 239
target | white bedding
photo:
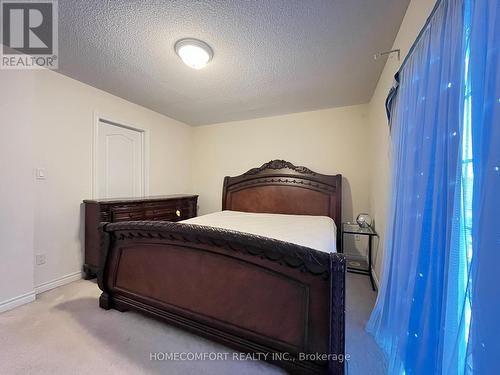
x: 316, y: 232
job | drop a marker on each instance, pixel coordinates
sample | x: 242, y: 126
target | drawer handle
x: 178, y: 213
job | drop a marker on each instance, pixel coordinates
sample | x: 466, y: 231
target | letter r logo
x: 27, y: 27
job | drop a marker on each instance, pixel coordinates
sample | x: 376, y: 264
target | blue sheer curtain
x: 483, y: 351
x: 438, y: 310
x: 411, y: 310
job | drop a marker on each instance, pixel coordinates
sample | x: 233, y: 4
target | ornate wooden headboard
x: 282, y: 188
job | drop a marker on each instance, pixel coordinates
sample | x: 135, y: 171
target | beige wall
x: 415, y: 18
x: 59, y: 117
x: 16, y: 190
x: 327, y: 141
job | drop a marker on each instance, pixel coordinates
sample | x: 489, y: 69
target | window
x: 466, y: 191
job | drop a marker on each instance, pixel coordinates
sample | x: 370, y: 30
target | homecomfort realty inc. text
x: 258, y: 356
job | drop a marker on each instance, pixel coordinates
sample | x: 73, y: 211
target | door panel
x: 119, y: 162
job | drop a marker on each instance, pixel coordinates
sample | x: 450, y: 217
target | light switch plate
x: 40, y: 174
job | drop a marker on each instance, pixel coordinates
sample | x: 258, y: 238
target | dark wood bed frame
x: 251, y: 293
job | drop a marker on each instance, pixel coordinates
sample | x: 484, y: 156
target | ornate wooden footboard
x: 251, y: 293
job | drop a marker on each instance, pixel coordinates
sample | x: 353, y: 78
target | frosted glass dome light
x: 193, y: 52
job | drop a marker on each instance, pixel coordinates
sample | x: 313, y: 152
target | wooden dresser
x: 157, y: 208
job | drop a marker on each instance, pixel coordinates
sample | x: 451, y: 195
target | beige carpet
x: 65, y: 332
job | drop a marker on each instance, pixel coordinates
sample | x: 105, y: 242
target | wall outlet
x: 40, y: 259
x: 357, y: 237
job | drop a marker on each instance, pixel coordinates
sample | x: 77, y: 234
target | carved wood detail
x: 279, y: 164
x: 287, y: 181
x: 338, y: 267
x: 307, y: 260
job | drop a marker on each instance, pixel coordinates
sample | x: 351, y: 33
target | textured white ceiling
x: 271, y: 56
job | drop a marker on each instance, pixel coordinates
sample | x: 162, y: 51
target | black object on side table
x: 354, y: 263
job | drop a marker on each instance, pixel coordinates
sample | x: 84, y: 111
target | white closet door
x: 119, y: 162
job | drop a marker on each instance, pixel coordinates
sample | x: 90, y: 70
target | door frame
x: 112, y: 120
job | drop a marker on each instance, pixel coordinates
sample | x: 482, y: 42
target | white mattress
x: 316, y: 232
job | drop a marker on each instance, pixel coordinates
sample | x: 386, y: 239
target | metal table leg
x: 370, y: 261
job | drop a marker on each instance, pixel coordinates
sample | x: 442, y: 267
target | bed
x: 246, y: 277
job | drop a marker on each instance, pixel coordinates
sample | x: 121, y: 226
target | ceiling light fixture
x: 193, y: 52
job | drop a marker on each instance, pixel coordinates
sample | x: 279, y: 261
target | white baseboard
x: 17, y: 301
x: 60, y: 281
x: 30, y: 297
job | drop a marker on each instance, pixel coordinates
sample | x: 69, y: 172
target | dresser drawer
x: 127, y: 207
x: 168, y: 214
x: 174, y: 210
x: 161, y: 205
x: 160, y: 213
x: 127, y: 215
